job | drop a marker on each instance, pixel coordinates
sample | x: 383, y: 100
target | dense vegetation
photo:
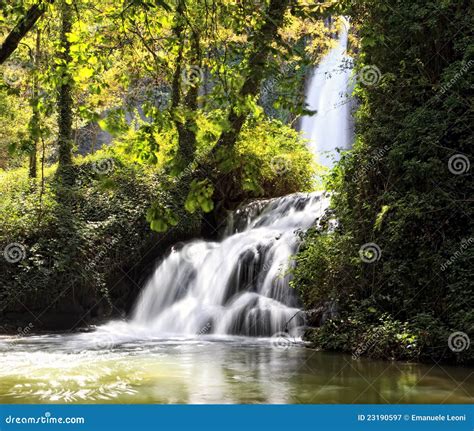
x: 76, y: 242
x: 127, y: 126
x: 397, y: 272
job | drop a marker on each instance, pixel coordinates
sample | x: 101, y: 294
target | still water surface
x: 71, y: 369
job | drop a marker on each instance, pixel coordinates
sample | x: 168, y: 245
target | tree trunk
x: 187, y: 131
x: 35, y: 119
x: 21, y: 29
x: 178, y: 31
x: 65, y: 97
x: 32, y: 163
x: 261, y: 48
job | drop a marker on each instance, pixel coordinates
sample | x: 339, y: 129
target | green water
x: 68, y: 369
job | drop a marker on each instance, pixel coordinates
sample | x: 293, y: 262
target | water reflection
x: 65, y: 369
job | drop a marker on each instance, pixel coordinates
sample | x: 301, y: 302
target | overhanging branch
x: 21, y: 29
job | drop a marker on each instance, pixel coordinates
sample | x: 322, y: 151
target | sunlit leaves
x: 84, y: 73
x: 200, y: 197
x: 115, y: 122
x: 160, y: 217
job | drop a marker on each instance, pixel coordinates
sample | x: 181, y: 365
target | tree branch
x: 256, y: 65
x: 21, y: 29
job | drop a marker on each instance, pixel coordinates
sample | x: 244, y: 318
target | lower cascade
x: 238, y: 286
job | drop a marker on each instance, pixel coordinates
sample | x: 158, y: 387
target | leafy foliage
x: 81, y: 238
x: 397, y: 188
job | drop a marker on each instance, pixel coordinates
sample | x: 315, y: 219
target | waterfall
x: 328, y: 95
x: 240, y: 284
x: 237, y: 286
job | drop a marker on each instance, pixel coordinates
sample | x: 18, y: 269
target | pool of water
x: 83, y: 369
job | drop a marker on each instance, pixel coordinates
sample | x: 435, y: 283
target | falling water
x: 240, y: 285
x: 327, y: 94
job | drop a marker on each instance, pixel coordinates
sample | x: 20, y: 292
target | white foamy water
x: 237, y: 286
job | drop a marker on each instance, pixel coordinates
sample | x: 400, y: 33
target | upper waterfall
x: 327, y: 94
